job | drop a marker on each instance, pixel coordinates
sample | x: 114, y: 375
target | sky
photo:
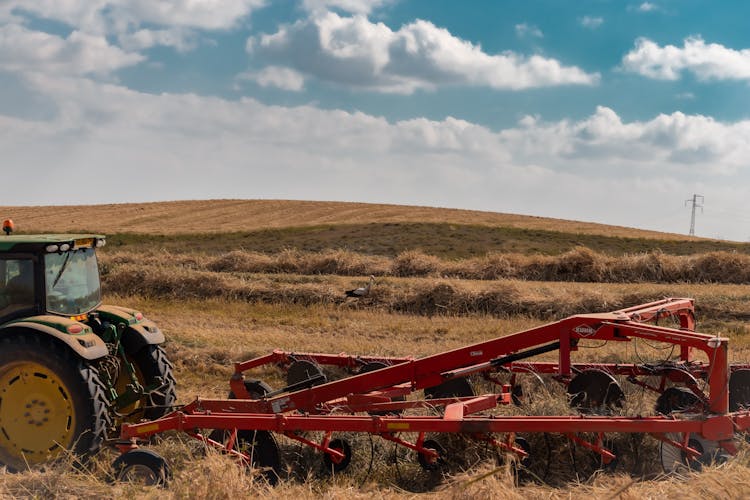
x: 615, y: 112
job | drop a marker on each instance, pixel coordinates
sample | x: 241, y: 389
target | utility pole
x: 695, y: 203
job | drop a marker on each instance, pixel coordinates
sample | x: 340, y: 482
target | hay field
x: 226, y: 216
x: 219, y: 304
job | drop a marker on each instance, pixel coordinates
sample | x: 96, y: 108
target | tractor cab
x: 49, y: 274
x: 70, y: 367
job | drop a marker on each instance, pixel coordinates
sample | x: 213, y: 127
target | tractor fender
x: 139, y: 336
x: 139, y: 333
x: 87, y: 344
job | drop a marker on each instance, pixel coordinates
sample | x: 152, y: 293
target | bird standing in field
x: 362, y: 291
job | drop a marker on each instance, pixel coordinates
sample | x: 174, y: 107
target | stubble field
x: 242, y: 291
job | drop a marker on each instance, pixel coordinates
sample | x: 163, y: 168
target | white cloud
x: 706, y: 61
x: 138, y: 24
x: 350, y: 6
x: 354, y: 52
x: 186, y: 146
x: 524, y: 29
x: 105, y: 15
x: 23, y: 50
x: 592, y: 22
x: 180, y: 39
x: 647, y: 7
x: 204, y: 14
x: 274, y: 76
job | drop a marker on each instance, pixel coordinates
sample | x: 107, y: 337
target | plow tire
x: 595, y: 391
x: 378, y: 365
x: 739, y: 390
x: 303, y: 370
x: 344, y: 447
x: 453, y: 388
x: 49, y: 400
x: 153, y: 364
x: 264, y: 453
x: 677, y: 399
x: 432, y: 465
x: 143, y: 467
x: 674, y: 459
x: 256, y: 388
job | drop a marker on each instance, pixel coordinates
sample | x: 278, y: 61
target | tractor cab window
x: 16, y: 285
x: 72, y: 281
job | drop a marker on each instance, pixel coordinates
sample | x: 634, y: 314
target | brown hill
x: 215, y: 216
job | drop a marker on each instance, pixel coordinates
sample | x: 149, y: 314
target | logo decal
x: 584, y: 330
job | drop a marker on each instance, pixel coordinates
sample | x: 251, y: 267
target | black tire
x: 677, y: 399
x: 452, y: 388
x: 379, y: 365
x: 142, y: 467
x: 435, y: 464
x: 595, y: 392
x: 60, y: 400
x: 153, y: 364
x: 344, y: 447
x: 264, y: 453
x: 256, y: 388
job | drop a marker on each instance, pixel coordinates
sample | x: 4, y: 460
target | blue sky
x: 604, y: 111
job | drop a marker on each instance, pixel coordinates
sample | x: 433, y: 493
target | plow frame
x: 337, y: 406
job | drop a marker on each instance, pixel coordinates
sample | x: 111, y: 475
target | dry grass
x: 205, y: 336
x: 211, y: 476
x: 217, y: 309
x: 216, y: 216
x: 580, y: 264
x: 186, y: 277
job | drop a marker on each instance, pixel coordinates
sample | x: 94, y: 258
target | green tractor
x: 71, y: 369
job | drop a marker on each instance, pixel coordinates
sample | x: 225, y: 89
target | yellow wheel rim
x: 37, y: 415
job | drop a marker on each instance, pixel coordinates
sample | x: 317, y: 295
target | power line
x: 695, y: 204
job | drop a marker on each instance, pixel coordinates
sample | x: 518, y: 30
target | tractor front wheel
x: 50, y: 400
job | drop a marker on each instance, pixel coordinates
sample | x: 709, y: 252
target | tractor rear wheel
x: 50, y: 400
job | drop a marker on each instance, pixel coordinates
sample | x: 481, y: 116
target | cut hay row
x: 580, y: 264
x: 421, y: 296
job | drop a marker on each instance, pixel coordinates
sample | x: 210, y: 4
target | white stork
x: 362, y: 291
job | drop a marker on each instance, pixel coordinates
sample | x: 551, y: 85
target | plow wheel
x: 739, y: 390
x: 414, y: 472
x: 678, y: 399
x: 595, y: 391
x: 587, y: 463
x: 432, y: 463
x: 344, y: 447
x: 361, y: 453
x: 142, y: 467
x: 256, y: 388
x: 520, y: 467
x: 371, y: 367
x: 264, y: 453
x: 50, y: 400
x: 302, y: 371
x: 453, y: 388
x: 673, y: 459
